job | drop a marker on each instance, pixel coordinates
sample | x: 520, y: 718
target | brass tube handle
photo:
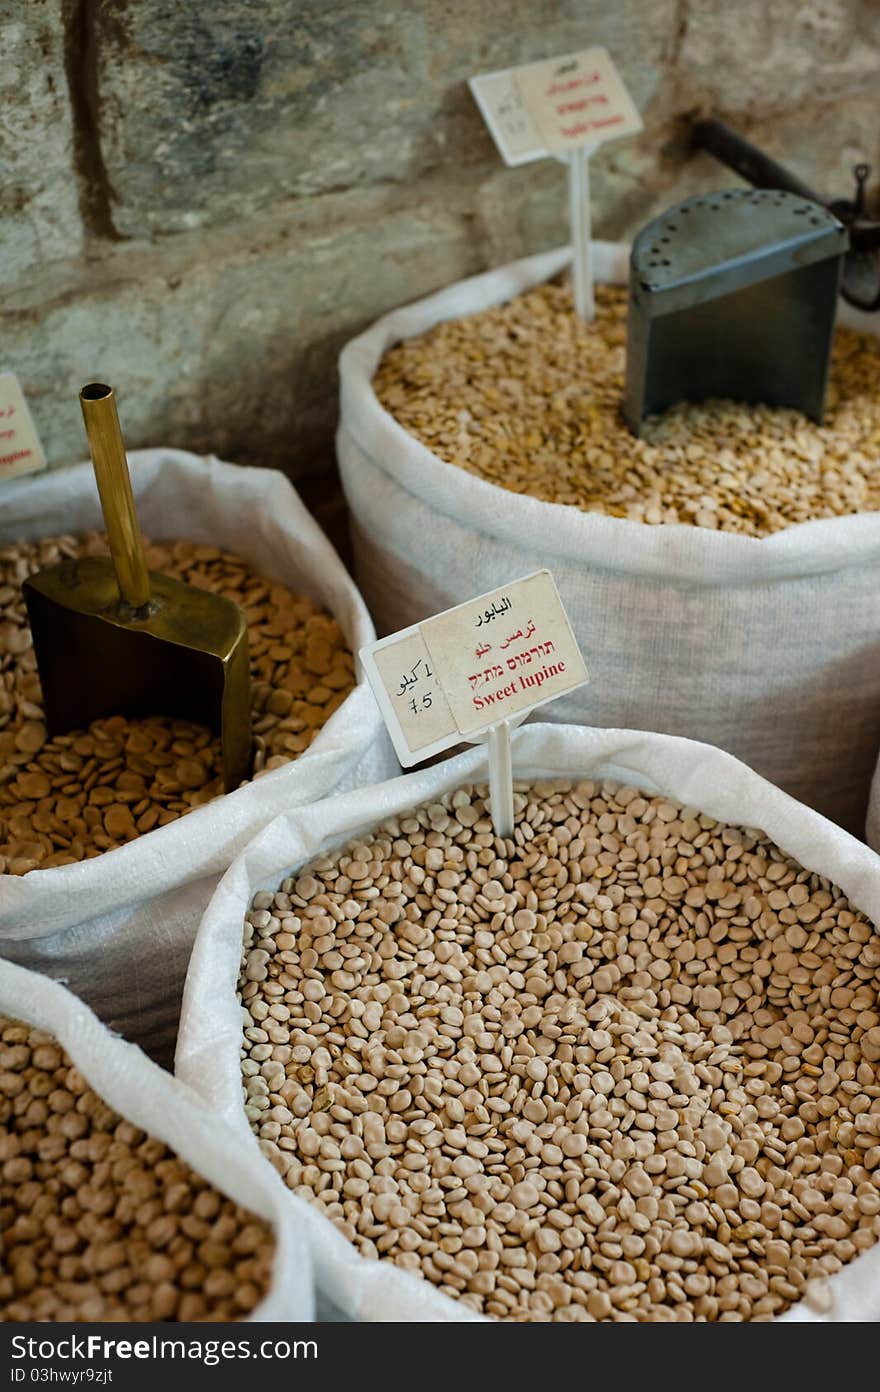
x: 114, y: 489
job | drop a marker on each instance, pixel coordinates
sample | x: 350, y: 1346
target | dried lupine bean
x: 74, y: 796
x: 527, y: 396
x: 622, y: 1065
x: 98, y: 1220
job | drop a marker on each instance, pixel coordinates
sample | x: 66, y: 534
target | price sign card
x: 554, y: 106
x: 504, y: 111
x: 456, y: 675
x: 20, y: 448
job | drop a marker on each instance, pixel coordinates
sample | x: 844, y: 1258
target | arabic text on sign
x: 586, y: 81
x: 494, y: 613
x: 413, y: 677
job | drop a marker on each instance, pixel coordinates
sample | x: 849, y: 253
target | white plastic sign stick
x: 579, y: 213
x: 20, y: 448
x: 501, y: 779
x: 567, y: 107
x: 454, y: 676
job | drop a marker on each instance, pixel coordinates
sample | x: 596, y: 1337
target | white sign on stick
x: 565, y: 106
x: 556, y: 105
x: 457, y: 675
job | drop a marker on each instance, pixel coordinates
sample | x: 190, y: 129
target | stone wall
x: 200, y: 202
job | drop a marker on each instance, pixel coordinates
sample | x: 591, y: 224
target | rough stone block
x: 756, y: 56
x: 39, y: 210
x: 234, y: 352
x: 210, y: 112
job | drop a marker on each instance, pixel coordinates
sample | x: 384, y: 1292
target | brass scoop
x: 112, y: 638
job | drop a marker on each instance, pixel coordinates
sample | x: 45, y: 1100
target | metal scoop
x: 733, y: 294
x: 112, y: 638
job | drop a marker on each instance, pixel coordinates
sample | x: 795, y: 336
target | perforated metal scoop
x: 733, y: 295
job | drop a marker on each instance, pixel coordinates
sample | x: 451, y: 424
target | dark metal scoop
x: 733, y: 295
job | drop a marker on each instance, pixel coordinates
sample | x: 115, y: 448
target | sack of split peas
x: 112, y: 838
x: 722, y: 573
x: 622, y: 1065
x: 122, y: 1196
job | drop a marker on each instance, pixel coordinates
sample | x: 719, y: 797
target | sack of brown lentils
x: 123, y: 1198
x: 622, y: 1065
x: 481, y: 438
x: 104, y: 879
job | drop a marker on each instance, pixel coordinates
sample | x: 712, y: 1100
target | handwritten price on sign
x: 420, y: 673
x: 412, y: 700
x: 430, y: 688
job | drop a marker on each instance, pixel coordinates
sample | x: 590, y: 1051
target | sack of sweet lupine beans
x: 621, y: 1065
x: 122, y: 1196
x: 112, y: 838
x: 722, y: 573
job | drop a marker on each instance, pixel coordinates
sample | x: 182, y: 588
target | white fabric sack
x: 697, y: 775
x: 872, y: 826
x: 769, y: 648
x: 118, y: 928
x: 159, y: 1104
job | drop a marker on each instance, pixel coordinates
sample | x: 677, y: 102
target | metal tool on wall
x: 112, y: 638
x: 733, y: 295
x: 860, y: 285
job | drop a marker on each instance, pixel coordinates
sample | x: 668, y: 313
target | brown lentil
x: 528, y: 397
x: 501, y: 1091
x: 99, y: 1221
x: 69, y: 798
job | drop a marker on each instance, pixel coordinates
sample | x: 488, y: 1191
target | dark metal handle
x: 747, y: 160
x: 861, y: 270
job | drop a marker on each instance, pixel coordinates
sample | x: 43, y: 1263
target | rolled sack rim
x: 674, y: 552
